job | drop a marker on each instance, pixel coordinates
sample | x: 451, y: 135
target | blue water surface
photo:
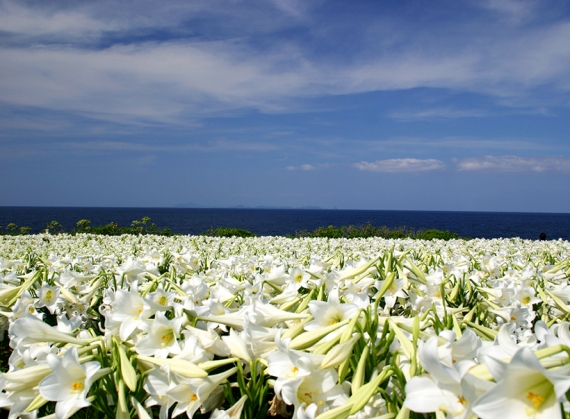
x: 280, y: 222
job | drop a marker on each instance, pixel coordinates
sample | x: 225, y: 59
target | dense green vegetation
x: 368, y: 230
x: 144, y: 226
x: 229, y: 232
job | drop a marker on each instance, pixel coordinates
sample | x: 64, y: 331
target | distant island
x: 306, y: 207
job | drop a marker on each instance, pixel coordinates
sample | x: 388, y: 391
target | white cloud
x: 514, y: 164
x: 515, y: 10
x: 183, y: 78
x: 20, y: 20
x: 444, y: 113
x: 308, y: 167
x: 400, y: 165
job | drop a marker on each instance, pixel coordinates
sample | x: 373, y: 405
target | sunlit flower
x: 69, y: 382
x: 524, y: 389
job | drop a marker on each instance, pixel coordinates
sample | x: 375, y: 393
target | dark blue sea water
x: 273, y: 222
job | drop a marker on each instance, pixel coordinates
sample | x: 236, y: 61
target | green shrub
x: 368, y: 230
x: 229, y: 232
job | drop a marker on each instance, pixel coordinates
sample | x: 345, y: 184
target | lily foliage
x: 153, y: 326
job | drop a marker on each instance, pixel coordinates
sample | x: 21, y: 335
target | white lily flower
x: 446, y: 388
x: 128, y: 312
x: 48, y: 297
x: 159, y: 300
x: 233, y: 412
x: 329, y: 312
x: 157, y: 384
x: 193, y: 392
x: 162, y: 338
x: 69, y: 382
x: 524, y: 389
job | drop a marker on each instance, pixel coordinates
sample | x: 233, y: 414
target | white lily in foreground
x: 128, y: 312
x: 162, y: 337
x: 329, y: 312
x: 31, y: 330
x: 193, y: 392
x: 446, y: 388
x: 69, y: 382
x: 525, y: 389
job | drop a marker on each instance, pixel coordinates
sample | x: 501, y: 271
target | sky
x: 387, y: 105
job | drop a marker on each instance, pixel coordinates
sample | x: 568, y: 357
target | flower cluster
x: 154, y: 326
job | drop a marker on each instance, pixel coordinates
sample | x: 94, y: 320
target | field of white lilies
x: 152, y: 326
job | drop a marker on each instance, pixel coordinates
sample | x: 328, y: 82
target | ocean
x: 280, y: 222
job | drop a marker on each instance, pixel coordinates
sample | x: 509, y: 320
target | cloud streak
x: 400, y: 165
x: 168, y: 81
x: 514, y: 164
x: 309, y: 167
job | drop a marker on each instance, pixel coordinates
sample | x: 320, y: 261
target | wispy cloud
x: 457, y: 142
x: 210, y: 146
x: 442, y: 113
x: 185, y: 75
x: 514, y: 164
x: 400, y: 165
x: 308, y: 167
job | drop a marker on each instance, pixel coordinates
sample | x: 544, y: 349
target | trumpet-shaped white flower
x: 162, y: 337
x: 446, y: 388
x: 330, y: 312
x: 128, y: 312
x: 159, y: 300
x: 158, y: 383
x: 69, y: 382
x: 193, y: 392
x: 524, y: 389
x: 130, y: 270
x: 48, y: 298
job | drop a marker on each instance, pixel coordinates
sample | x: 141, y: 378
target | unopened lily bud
x: 347, y: 332
x: 386, y: 285
x: 341, y: 412
x: 358, y: 377
x: 127, y: 371
x: 405, y: 343
x: 308, y: 339
x: 122, y: 409
x: 340, y: 353
x: 297, y: 329
x: 141, y: 411
x: 365, y: 393
x: 26, y: 378
x: 212, y: 365
x: 178, y: 366
x: 38, y: 402
x: 33, y: 330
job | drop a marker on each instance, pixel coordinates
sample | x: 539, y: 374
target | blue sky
x: 403, y: 105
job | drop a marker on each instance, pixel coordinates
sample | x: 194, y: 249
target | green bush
x: 368, y: 230
x: 435, y: 234
x: 144, y: 226
x: 229, y: 232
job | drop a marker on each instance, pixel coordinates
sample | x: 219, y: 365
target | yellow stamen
x: 526, y: 300
x: 536, y: 399
x: 166, y: 338
x: 76, y: 387
x: 293, y: 372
